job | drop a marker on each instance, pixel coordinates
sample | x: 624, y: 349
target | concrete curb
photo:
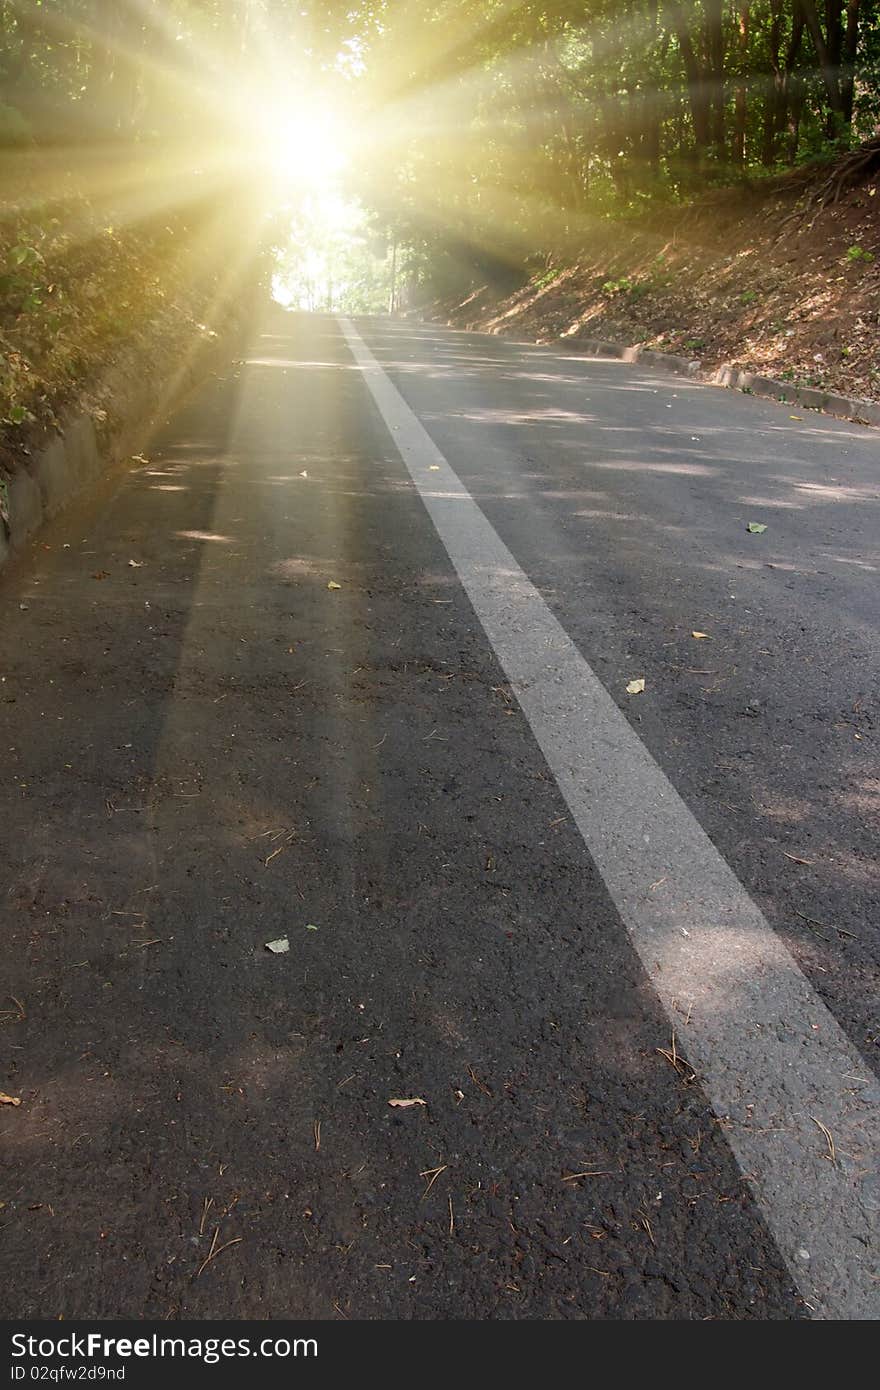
x: 81, y: 451
x: 663, y: 361
x: 811, y: 398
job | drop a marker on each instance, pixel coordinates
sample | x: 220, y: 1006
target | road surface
x: 344, y: 660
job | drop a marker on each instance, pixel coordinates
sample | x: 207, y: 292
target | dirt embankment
x: 770, y: 279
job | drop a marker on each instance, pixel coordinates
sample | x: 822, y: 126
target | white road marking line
x: 769, y: 1055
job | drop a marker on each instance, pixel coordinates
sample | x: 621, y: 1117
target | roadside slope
x: 107, y: 312
x: 764, y: 279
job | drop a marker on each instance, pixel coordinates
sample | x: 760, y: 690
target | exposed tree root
x: 851, y: 169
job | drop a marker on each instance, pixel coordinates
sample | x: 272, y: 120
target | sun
x: 301, y: 150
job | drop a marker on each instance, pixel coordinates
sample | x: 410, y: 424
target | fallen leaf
x: 700, y: 636
x: 636, y: 687
x: 136, y: 564
x: 756, y: 528
x: 279, y: 947
x: 795, y: 417
x: 433, y: 468
x: 101, y: 574
x: 304, y: 474
x: 407, y: 1104
x: 16, y: 1100
x: 310, y: 926
x: 333, y: 585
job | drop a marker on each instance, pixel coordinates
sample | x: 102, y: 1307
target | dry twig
x: 216, y: 1250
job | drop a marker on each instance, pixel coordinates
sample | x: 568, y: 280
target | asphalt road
x: 431, y: 779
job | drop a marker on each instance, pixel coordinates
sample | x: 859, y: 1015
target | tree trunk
x: 827, y: 66
x: 717, y: 94
x: 773, y: 92
x: 848, y: 64
x: 795, y: 111
x: 741, y: 98
x: 698, y: 91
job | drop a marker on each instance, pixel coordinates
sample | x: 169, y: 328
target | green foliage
x: 622, y: 286
x: 15, y: 129
x: 336, y: 263
x: 546, y: 279
x: 515, y: 126
x: 636, y: 289
x: 858, y: 254
x: 73, y: 294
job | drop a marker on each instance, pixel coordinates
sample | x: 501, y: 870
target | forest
x: 477, y: 138
x: 463, y: 109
